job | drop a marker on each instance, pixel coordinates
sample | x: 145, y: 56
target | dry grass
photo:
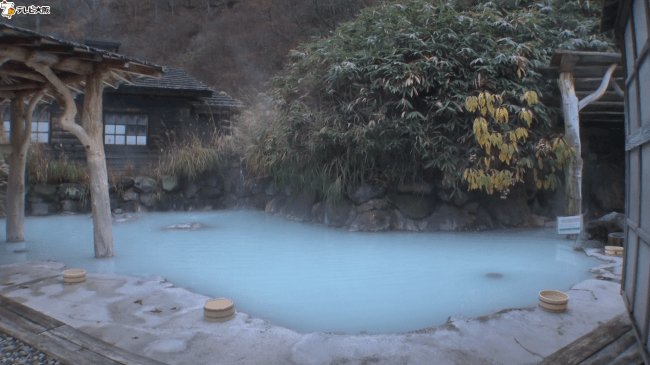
x: 259, y: 116
x: 43, y: 168
x: 191, y: 157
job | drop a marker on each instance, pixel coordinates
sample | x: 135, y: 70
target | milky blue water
x: 312, y: 278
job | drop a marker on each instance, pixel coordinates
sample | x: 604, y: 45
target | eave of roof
x: 7, y: 30
x: 174, y: 78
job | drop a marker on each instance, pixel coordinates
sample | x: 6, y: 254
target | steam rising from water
x: 312, y: 278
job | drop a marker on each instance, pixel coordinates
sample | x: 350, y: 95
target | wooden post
x: 15, y: 208
x: 21, y: 133
x: 91, y: 120
x: 90, y: 135
x: 573, y: 172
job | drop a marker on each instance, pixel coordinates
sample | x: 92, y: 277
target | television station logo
x: 10, y: 9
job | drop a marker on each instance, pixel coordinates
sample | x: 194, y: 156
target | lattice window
x: 125, y: 129
x: 40, y: 126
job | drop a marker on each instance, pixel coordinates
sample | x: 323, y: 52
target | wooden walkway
x: 612, y: 343
x: 60, y: 341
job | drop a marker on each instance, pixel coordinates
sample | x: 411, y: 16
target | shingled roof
x: 174, y: 78
x: 222, y: 101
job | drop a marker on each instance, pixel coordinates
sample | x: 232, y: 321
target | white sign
x: 569, y: 225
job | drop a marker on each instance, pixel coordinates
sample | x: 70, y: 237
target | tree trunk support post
x: 90, y: 135
x: 21, y: 133
x: 91, y: 120
x: 570, y: 105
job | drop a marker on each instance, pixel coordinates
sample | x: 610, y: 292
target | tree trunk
x: 21, y: 134
x: 90, y: 135
x: 91, y: 120
x: 15, y: 209
x: 573, y: 172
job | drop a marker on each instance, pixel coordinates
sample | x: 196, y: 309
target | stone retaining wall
x: 366, y: 207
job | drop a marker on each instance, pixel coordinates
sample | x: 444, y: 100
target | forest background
x: 231, y: 45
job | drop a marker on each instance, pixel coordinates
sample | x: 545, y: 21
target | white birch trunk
x: 573, y: 172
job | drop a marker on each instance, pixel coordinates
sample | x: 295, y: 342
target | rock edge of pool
x: 151, y: 317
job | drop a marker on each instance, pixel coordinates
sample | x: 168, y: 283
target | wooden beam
x: 568, y: 62
x: 606, y: 106
x: 580, y: 71
x: 21, y: 86
x: 53, y: 61
x: 590, y: 84
x: 20, y: 70
x: 587, y: 58
x: 74, y: 65
x: 587, y: 345
x: 67, y: 120
x: 601, y: 89
x: 57, y: 48
x: 639, y: 137
x: 607, y: 96
x: 617, y: 88
x: 602, y: 116
x: 118, y: 75
x: 131, y: 68
x: 21, y: 41
x: 7, y: 95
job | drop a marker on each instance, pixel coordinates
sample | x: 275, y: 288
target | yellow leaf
x: 513, y: 137
x: 539, y: 184
x: 484, y: 111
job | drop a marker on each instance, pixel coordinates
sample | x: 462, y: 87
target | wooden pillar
x: 573, y: 172
x: 91, y: 120
x: 15, y: 206
x: 90, y: 135
x: 21, y: 131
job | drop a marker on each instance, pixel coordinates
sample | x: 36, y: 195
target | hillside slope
x: 231, y: 45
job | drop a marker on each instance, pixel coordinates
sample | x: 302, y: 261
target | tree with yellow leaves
x: 508, y: 139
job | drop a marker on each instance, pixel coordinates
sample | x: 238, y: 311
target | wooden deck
x: 62, y: 342
x: 612, y: 343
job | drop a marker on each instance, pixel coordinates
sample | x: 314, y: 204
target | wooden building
x: 630, y: 20
x: 139, y: 118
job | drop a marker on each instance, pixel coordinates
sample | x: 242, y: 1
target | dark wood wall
x: 168, y: 118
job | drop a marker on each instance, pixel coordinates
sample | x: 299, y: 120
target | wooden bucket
x: 219, y: 310
x: 74, y: 276
x: 553, y: 301
x: 614, y: 251
x: 615, y: 239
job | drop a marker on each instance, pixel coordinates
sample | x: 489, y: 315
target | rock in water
x: 601, y: 228
x: 185, y: 226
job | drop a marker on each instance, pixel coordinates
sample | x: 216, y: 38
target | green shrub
x: 383, y: 98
